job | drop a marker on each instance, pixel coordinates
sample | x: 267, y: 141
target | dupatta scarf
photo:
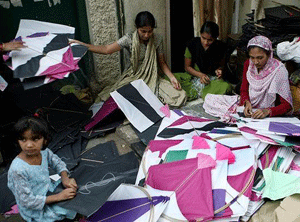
x: 146, y: 71
x: 271, y: 80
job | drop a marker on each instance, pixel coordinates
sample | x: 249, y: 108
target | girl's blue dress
x: 30, y: 184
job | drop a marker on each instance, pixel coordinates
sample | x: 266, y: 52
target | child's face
x: 31, y: 144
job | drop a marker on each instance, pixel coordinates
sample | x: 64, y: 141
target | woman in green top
x: 204, y: 58
x: 146, y: 53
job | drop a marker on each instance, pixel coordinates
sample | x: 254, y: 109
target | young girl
x: 28, y: 175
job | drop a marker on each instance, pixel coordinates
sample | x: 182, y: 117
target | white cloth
x: 289, y: 50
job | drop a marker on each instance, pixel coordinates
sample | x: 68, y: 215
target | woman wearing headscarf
x: 265, y: 86
x: 146, y: 52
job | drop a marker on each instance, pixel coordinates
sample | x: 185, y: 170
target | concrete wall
x: 103, y: 30
x: 245, y: 8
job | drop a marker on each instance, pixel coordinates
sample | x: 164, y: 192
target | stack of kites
x: 198, y: 169
x: 280, y: 24
x: 48, y: 55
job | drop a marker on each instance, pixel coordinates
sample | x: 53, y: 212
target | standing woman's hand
x: 175, y: 83
x: 248, y: 109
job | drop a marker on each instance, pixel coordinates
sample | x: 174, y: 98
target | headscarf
x: 271, y: 80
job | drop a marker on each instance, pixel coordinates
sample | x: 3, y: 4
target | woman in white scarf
x: 265, y: 83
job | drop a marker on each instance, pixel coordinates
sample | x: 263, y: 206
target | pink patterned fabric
x: 271, y: 80
x: 222, y: 106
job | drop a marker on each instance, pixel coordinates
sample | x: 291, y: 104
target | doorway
x: 181, y: 31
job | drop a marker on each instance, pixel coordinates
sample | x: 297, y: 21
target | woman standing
x: 265, y: 84
x: 146, y: 50
x: 204, y: 60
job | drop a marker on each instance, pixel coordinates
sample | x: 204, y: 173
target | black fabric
x: 123, y: 169
x: 101, y: 130
x: 70, y: 153
x: 67, y: 110
x: 103, y: 152
x: 131, y: 94
x: 207, y: 60
x: 295, y: 140
x: 68, y: 145
x: 278, y: 26
x: 71, y: 143
x: 7, y: 199
x: 31, y: 100
x: 149, y: 134
x: 171, y: 132
x: 138, y: 148
x: 282, y: 14
x: 8, y: 148
x: 61, y: 139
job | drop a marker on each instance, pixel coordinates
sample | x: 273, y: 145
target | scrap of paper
x: 5, y: 4
x: 3, y: 84
x: 200, y: 143
x: 205, y: 161
x: 16, y: 3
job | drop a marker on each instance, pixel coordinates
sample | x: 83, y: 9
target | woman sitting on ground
x: 204, y: 60
x: 146, y: 50
x: 265, y: 84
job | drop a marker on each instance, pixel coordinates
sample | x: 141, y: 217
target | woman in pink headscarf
x: 265, y: 86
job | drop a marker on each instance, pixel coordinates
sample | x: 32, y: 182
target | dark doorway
x: 182, y: 30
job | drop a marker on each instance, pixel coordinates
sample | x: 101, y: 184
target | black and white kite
x: 141, y: 107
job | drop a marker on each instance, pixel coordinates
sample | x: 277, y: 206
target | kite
x: 48, y: 55
x: 108, y: 108
x: 141, y: 107
x: 96, y: 182
x: 191, y: 183
x: 132, y: 203
x: 187, y: 127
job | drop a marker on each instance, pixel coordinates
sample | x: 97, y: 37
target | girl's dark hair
x: 37, y: 125
x: 211, y: 28
x: 145, y: 18
x: 255, y: 46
